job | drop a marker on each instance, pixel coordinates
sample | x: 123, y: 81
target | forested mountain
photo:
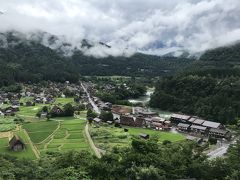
x: 209, y: 88
x: 29, y: 60
x: 219, y: 62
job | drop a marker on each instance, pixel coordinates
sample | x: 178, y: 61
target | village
x: 55, y: 103
x: 143, y: 117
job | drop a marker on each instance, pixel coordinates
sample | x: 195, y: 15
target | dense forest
x: 209, y: 88
x: 166, y: 161
x: 23, y: 60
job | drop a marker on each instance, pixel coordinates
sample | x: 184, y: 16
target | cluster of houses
x: 37, y: 94
x: 105, y: 106
x: 197, y: 126
x: 141, y: 117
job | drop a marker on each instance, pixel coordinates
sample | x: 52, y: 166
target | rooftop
x: 199, y: 121
x: 180, y: 116
x: 211, y: 124
x: 183, y: 125
x: 198, y: 127
x: 221, y: 131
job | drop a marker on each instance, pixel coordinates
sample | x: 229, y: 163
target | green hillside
x: 209, y: 88
x: 23, y: 60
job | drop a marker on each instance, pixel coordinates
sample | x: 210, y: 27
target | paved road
x: 95, y: 108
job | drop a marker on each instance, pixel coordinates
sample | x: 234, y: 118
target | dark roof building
x: 220, y: 133
x: 144, y: 136
x: 179, y: 118
x: 211, y: 124
x: 127, y: 120
x: 183, y: 127
x: 16, y: 144
x: 198, y: 121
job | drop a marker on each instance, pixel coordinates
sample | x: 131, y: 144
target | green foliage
x: 68, y: 109
x: 175, y: 161
x: 91, y: 114
x: 212, y: 140
x: 106, y: 116
x: 205, y: 96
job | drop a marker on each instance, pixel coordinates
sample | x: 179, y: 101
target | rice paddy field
x: 38, y: 131
x: 70, y: 136
x: 60, y: 134
x: 106, y: 137
x: 39, y: 135
x: 7, y: 124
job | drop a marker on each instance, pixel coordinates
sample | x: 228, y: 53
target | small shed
x: 16, y: 144
x: 144, y: 136
x: 97, y: 120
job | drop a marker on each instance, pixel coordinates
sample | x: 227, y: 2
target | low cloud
x: 128, y: 26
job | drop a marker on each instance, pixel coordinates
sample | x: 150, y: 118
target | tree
x: 91, y: 114
x: 68, y: 109
x: 106, y: 116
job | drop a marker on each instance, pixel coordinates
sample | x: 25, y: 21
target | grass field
x: 29, y: 110
x: 32, y: 110
x: 60, y: 134
x: 7, y: 124
x: 106, y: 137
x: 27, y: 153
x: 70, y: 136
x: 64, y: 100
x: 38, y: 131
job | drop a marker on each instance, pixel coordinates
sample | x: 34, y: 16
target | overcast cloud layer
x: 151, y: 26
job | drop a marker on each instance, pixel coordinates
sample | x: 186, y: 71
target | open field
x: 30, y: 110
x: 7, y: 124
x: 69, y: 136
x: 59, y: 134
x: 64, y: 100
x: 107, y: 137
x: 38, y: 131
x: 27, y: 153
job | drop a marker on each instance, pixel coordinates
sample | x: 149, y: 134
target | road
x: 90, y: 141
x: 219, y: 151
x: 95, y: 108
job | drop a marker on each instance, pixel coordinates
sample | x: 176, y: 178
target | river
x: 145, y: 100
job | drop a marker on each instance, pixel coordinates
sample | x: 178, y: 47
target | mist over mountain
x: 42, y: 56
x: 154, y: 27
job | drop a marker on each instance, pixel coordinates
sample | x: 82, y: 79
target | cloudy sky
x: 151, y: 26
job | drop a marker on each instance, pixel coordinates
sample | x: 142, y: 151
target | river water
x: 145, y: 100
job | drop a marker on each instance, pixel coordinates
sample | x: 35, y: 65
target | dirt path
x: 66, y: 136
x: 90, y: 141
x: 7, y: 134
x: 51, y: 135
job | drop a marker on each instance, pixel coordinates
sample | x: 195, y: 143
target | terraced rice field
x: 69, y: 136
x: 38, y: 131
x: 7, y: 124
x: 63, y: 134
